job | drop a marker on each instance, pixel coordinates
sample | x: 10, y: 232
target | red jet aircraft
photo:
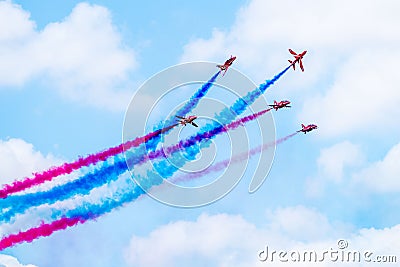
x: 189, y: 120
x: 297, y: 58
x: 307, y: 128
x: 227, y: 64
x: 281, y: 104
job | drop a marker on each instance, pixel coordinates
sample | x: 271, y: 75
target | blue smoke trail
x: 125, y: 196
x: 188, y: 107
x: 242, y: 103
x: 81, y: 186
x: 165, y: 169
x: 92, y: 211
x: 108, y: 173
x: 97, y: 178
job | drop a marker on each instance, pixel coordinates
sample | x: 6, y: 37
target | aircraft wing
x: 194, y: 124
x: 182, y: 118
x: 292, y: 52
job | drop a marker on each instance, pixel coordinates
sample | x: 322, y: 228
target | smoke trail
x: 226, y: 116
x: 92, y: 211
x: 132, y: 192
x: 152, y: 138
x: 81, y: 186
x: 88, y: 182
x: 107, y: 173
x: 67, y: 168
x: 194, y: 100
x: 83, y: 212
x: 201, y: 137
x: 188, y: 107
x: 42, y: 230
x: 242, y: 103
x: 238, y: 158
x: 80, y: 215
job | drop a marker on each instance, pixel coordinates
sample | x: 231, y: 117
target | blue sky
x: 68, y: 72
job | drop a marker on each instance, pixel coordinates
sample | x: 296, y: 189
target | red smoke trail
x: 44, y: 229
x: 197, y: 138
x: 81, y: 214
x: 108, y: 173
x: 67, y: 168
x: 237, y: 123
x: 235, y: 159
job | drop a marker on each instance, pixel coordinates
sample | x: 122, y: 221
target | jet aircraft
x: 297, y: 58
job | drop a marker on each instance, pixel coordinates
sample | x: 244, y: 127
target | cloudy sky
x: 69, y: 69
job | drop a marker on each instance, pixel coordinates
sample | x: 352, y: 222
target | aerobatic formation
x: 33, y: 213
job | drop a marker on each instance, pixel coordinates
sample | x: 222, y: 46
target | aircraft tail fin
x: 293, y: 65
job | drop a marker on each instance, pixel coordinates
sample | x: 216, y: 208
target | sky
x: 70, y: 69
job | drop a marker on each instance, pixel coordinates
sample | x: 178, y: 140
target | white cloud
x: 350, y: 79
x: 270, y: 24
x: 20, y: 159
x: 20, y: 26
x: 10, y: 261
x: 226, y: 240
x: 364, y: 95
x: 16, y: 31
x: 209, y: 236
x: 382, y: 176
x: 345, y: 164
x: 309, y: 224
x: 83, y: 55
x: 332, y: 163
x: 334, y: 159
